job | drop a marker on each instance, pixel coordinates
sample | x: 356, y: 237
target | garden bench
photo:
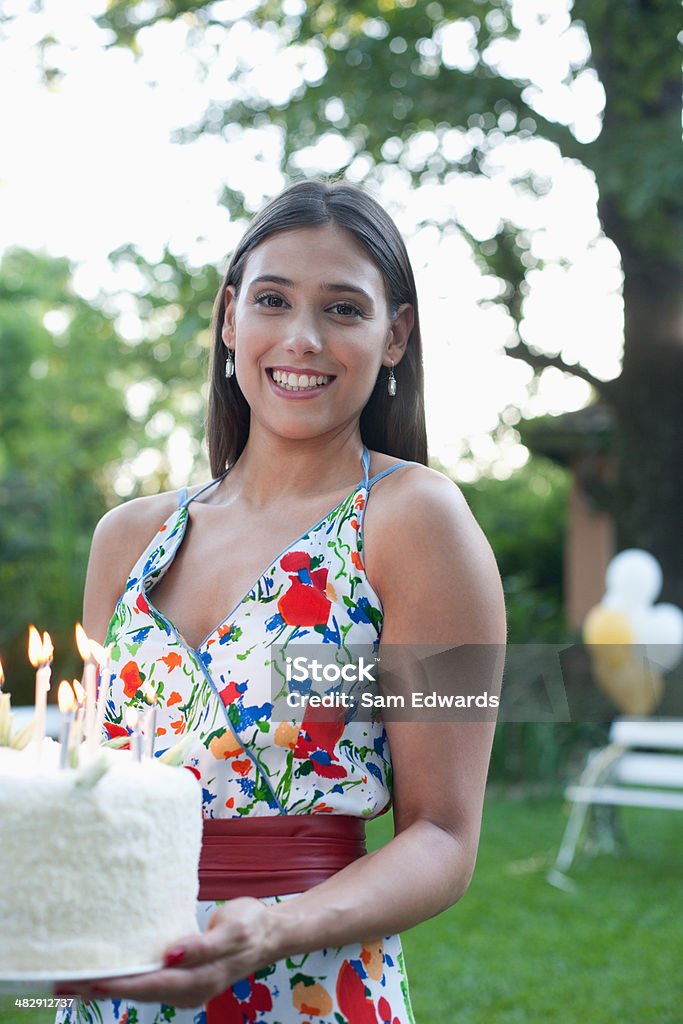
x: 641, y: 766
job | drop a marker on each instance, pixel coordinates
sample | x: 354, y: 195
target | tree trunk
x: 648, y: 403
x: 637, y: 165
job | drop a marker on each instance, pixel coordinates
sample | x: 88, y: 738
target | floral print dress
x: 314, y: 592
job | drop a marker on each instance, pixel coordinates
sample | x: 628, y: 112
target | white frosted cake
x: 97, y: 872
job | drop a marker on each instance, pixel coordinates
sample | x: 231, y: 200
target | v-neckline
x: 183, y: 511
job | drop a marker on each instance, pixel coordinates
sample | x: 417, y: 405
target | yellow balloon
x: 611, y: 655
x: 609, y: 634
x: 635, y: 688
x: 607, y: 626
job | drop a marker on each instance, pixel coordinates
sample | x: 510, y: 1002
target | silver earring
x: 229, y: 365
x: 391, y: 386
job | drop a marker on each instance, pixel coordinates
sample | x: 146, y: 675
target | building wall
x: 589, y: 547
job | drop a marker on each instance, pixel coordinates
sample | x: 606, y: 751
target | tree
x: 69, y: 429
x: 385, y: 81
x: 61, y: 424
x: 524, y: 519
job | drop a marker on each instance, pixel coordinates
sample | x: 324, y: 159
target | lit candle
x: 79, y: 693
x: 89, y: 684
x: 5, y: 714
x: 103, y: 656
x: 40, y: 654
x: 67, y: 706
x: 150, y: 718
x: 132, y: 718
x: 8, y: 738
x: 77, y: 731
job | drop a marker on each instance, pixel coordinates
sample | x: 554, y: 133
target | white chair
x: 642, y: 766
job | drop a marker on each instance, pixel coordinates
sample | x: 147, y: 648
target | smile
x: 307, y: 382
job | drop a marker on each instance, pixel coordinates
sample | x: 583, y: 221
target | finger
x: 69, y: 988
x: 183, y: 988
x: 227, y: 933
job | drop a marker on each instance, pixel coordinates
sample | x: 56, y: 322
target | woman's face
x: 310, y: 330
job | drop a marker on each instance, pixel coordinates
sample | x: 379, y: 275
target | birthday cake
x: 98, y: 864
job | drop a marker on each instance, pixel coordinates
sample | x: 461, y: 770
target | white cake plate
x: 44, y: 981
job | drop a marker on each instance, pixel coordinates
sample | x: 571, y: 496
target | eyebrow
x: 336, y: 288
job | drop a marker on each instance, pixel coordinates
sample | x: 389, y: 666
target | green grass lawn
x: 515, y: 949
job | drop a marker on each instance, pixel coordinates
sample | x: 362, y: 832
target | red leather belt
x: 273, y: 856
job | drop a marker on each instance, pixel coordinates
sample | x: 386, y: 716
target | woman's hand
x: 239, y: 940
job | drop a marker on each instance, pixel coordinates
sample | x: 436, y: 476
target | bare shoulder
x: 119, y: 539
x: 425, y: 550
x: 128, y: 528
x: 415, y: 499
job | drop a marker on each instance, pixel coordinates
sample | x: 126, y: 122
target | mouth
x: 309, y: 383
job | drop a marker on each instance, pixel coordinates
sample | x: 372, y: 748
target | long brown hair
x: 393, y: 425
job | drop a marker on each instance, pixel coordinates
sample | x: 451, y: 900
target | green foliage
x: 61, y: 425
x: 67, y: 427
x: 174, y: 303
x: 542, y: 753
x: 524, y: 519
x: 636, y: 158
x: 387, y: 80
x: 405, y: 84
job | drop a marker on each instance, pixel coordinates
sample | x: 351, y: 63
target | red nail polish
x: 174, y: 957
x: 98, y: 990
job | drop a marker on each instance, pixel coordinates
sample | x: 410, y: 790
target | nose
x: 304, y: 335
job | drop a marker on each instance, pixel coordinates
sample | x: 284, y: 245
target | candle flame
x: 83, y: 643
x: 131, y: 716
x: 65, y: 697
x: 79, y: 691
x: 48, y: 648
x: 99, y: 653
x: 35, y: 646
x: 2, y: 675
x: 39, y: 651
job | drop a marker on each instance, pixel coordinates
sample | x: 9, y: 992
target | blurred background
x: 529, y: 150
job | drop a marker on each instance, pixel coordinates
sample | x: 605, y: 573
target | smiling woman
x: 307, y: 421
x: 332, y: 321
x: 370, y: 280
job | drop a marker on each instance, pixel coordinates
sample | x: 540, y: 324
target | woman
x: 316, y: 382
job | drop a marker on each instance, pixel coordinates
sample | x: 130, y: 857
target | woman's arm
x: 439, y: 585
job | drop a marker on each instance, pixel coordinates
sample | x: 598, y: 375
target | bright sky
x: 88, y: 165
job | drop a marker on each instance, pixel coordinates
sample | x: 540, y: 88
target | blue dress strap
x: 386, y: 472
x: 365, y: 460
x: 185, y: 501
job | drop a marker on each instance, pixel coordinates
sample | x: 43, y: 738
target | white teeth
x: 298, y: 382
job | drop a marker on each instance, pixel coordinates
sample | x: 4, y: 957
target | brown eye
x: 346, y: 309
x: 269, y: 300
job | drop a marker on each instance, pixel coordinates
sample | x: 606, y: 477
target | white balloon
x: 660, y: 628
x: 615, y: 601
x: 633, y: 578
